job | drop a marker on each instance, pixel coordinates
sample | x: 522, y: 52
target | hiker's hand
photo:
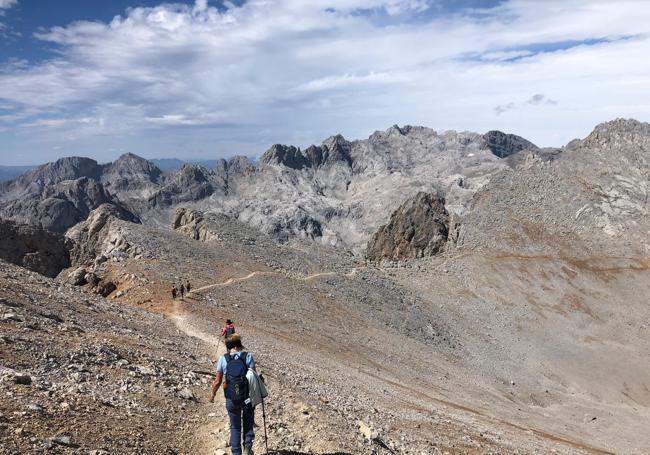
x: 211, y: 398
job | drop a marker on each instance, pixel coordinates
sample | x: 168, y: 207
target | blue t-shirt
x: 221, y: 364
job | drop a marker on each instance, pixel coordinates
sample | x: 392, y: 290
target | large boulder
x: 418, y: 228
x: 191, y: 223
x: 34, y: 248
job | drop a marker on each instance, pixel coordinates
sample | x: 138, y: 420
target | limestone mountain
x: 337, y: 193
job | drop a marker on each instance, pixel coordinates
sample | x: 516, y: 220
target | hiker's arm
x: 215, y: 386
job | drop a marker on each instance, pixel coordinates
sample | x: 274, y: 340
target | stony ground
x: 431, y: 357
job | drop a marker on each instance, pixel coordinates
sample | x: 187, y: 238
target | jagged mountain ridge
x: 338, y: 192
x: 341, y: 192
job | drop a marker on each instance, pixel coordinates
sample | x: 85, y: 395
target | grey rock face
x: 418, y: 228
x: 34, y: 248
x: 504, y: 145
x: 59, y: 206
x: 191, y: 183
x: 61, y: 194
x: 334, y: 150
x: 95, y: 237
x: 191, y: 223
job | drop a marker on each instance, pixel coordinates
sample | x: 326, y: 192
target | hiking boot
x: 248, y: 450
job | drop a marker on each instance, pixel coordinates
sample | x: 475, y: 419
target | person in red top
x: 229, y: 329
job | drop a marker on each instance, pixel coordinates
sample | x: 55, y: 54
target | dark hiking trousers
x: 239, y: 413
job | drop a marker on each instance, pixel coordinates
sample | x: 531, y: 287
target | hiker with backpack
x: 232, y: 370
x: 229, y: 329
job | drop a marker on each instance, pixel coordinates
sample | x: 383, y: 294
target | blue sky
x: 206, y: 79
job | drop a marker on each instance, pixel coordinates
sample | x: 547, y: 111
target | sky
x: 205, y: 79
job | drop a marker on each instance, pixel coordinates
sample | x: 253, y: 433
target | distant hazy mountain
x: 174, y: 164
x: 11, y: 172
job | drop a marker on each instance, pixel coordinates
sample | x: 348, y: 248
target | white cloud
x: 292, y: 70
x: 6, y: 4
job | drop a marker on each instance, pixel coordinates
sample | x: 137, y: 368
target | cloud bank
x: 209, y: 80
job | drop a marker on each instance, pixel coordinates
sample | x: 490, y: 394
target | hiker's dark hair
x: 234, y: 341
x: 228, y: 321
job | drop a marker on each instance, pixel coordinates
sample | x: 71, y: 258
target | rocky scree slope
x: 306, y: 308
x: 591, y: 200
x: 80, y: 373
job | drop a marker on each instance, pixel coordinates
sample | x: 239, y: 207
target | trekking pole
x: 218, y: 343
x: 266, y: 439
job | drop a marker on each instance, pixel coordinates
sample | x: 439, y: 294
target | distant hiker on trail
x: 229, y: 329
x: 234, y: 366
x: 182, y: 291
x: 188, y: 287
x: 174, y: 292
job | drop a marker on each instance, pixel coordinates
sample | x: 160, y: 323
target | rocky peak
x: 338, y: 150
x: 418, y: 228
x: 69, y: 168
x: 192, y: 174
x: 333, y: 150
x: 619, y: 132
x: 286, y: 155
x: 130, y: 165
x: 239, y: 165
x: 504, y: 145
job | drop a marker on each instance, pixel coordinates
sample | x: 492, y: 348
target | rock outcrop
x: 191, y: 223
x: 96, y: 237
x: 33, y: 248
x: 418, y: 228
